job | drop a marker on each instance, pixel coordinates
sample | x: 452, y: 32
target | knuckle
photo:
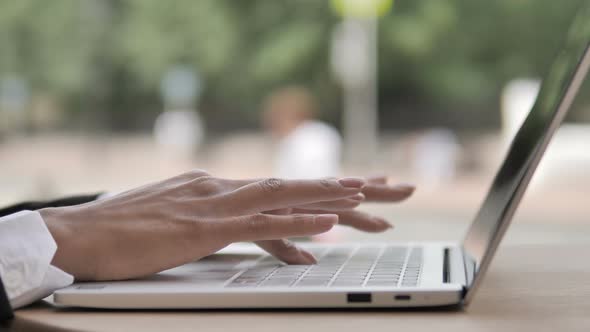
x: 194, y: 173
x: 205, y: 185
x: 191, y: 175
x: 299, y: 220
x: 199, y: 172
x: 271, y: 185
x: 328, y: 183
x: 208, y: 182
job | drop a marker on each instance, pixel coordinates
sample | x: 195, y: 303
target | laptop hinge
x: 470, y: 267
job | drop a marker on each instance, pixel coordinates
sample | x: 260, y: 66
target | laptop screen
x: 557, y: 92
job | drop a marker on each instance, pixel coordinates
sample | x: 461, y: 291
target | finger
x: 269, y: 227
x: 387, y: 193
x: 287, y: 251
x: 375, y: 179
x: 338, y: 205
x: 279, y: 212
x: 378, y: 179
x: 357, y: 219
x: 231, y: 184
x: 271, y: 194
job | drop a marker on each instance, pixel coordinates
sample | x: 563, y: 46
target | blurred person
x: 436, y: 155
x: 306, y: 147
x: 180, y: 130
x: 44, y: 246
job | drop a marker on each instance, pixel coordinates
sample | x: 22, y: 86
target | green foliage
x: 158, y: 34
x: 43, y: 41
x: 433, y: 54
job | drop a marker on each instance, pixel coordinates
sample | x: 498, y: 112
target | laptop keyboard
x: 363, y: 266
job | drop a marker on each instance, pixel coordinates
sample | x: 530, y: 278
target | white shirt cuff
x: 26, y: 251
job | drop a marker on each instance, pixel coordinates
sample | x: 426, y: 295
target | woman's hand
x: 185, y: 218
x: 376, y: 189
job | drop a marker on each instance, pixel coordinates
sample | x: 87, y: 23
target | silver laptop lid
x: 555, y: 97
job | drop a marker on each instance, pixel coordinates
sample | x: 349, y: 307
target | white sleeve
x: 26, y: 251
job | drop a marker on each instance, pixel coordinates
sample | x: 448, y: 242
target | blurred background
x: 109, y: 94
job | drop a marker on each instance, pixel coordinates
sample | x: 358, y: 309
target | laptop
x: 365, y: 275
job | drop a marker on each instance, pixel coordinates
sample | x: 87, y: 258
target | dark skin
x: 190, y: 216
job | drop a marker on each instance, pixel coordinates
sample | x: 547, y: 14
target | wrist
x: 57, y: 223
x: 70, y: 254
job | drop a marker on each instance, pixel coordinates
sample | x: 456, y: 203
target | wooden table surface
x: 529, y: 288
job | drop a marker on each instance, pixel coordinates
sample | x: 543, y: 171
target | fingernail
x: 383, y: 222
x: 326, y: 219
x: 352, y: 182
x: 358, y: 197
x: 405, y: 187
x: 308, y: 257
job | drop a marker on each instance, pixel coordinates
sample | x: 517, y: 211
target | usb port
x: 359, y: 297
x: 402, y: 297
